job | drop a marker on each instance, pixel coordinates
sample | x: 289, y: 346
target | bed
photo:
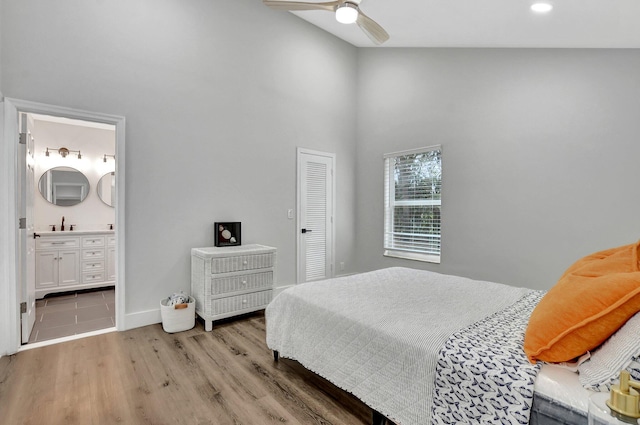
x: 425, y: 348
x: 559, y: 398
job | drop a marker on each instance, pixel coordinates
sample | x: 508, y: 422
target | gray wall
x: 540, y: 146
x: 217, y: 95
x: 540, y: 149
x: 1, y: 37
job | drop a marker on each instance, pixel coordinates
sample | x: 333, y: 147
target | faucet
x: 62, y: 226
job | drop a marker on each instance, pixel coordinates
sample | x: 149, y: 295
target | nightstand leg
x: 208, y: 325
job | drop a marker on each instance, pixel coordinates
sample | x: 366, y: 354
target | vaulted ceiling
x: 492, y: 23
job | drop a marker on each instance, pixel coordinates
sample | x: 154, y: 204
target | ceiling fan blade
x: 376, y: 33
x: 299, y: 5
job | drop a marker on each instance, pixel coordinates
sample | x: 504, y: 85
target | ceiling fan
x: 346, y: 12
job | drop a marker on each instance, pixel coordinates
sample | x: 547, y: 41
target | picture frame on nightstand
x: 227, y: 233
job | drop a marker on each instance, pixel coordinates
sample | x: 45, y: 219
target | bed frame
x: 545, y: 411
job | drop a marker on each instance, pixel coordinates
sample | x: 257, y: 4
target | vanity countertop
x: 76, y: 232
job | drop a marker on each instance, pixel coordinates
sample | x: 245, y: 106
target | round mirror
x: 64, y: 186
x: 107, y: 189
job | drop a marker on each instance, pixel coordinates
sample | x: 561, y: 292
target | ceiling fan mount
x: 346, y: 11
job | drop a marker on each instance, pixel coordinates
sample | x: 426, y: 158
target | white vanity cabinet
x: 93, y: 259
x: 71, y: 261
x: 57, y: 262
x: 111, y: 258
x: 233, y: 280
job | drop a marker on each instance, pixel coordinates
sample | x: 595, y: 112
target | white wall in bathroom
x: 94, y: 143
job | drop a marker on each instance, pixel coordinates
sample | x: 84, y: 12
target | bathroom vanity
x: 74, y: 260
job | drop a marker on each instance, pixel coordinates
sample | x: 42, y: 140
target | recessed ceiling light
x: 541, y: 7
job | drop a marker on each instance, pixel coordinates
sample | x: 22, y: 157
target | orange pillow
x: 592, y: 299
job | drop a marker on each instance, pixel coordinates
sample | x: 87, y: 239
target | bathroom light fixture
x: 541, y: 7
x: 63, y: 152
x: 347, y: 13
x: 106, y: 155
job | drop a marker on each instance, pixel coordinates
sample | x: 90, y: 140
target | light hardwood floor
x: 146, y: 376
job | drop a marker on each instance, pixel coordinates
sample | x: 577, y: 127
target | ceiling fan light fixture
x: 347, y: 13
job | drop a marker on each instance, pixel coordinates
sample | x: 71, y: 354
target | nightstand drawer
x: 241, y: 302
x: 242, y: 262
x: 241, y: 282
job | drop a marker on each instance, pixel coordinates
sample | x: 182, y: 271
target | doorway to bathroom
x: 73, y: 221
x: 70, y: 206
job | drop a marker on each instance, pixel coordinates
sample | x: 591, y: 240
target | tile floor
x: 73, y: 313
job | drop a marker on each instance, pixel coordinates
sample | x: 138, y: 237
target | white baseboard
x: 151, y: 317
x: 142, y: 318
x: 279, y: 289
x: 347, y: 274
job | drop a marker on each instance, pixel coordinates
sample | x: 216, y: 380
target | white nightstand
x: 233, y: 280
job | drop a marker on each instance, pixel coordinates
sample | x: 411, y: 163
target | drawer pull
x: 244, y: 282
x: 244, y: 263
x: 244, y: 301
x: 58, y: 243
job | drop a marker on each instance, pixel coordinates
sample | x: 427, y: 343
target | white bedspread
x: 378, y: 350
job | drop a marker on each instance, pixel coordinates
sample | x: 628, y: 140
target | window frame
x: 390, y: 204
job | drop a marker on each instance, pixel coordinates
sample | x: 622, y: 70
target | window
x: 412, y: 198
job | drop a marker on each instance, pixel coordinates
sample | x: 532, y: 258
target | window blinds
x: 413, y: 183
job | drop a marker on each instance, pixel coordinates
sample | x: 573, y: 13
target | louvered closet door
x: 315, y: 215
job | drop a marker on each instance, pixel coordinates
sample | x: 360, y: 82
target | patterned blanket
x: 483, y: 375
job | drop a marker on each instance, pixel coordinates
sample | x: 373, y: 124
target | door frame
x: 26, y: 254
x: 10, y: 334
x: 332, y: 156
